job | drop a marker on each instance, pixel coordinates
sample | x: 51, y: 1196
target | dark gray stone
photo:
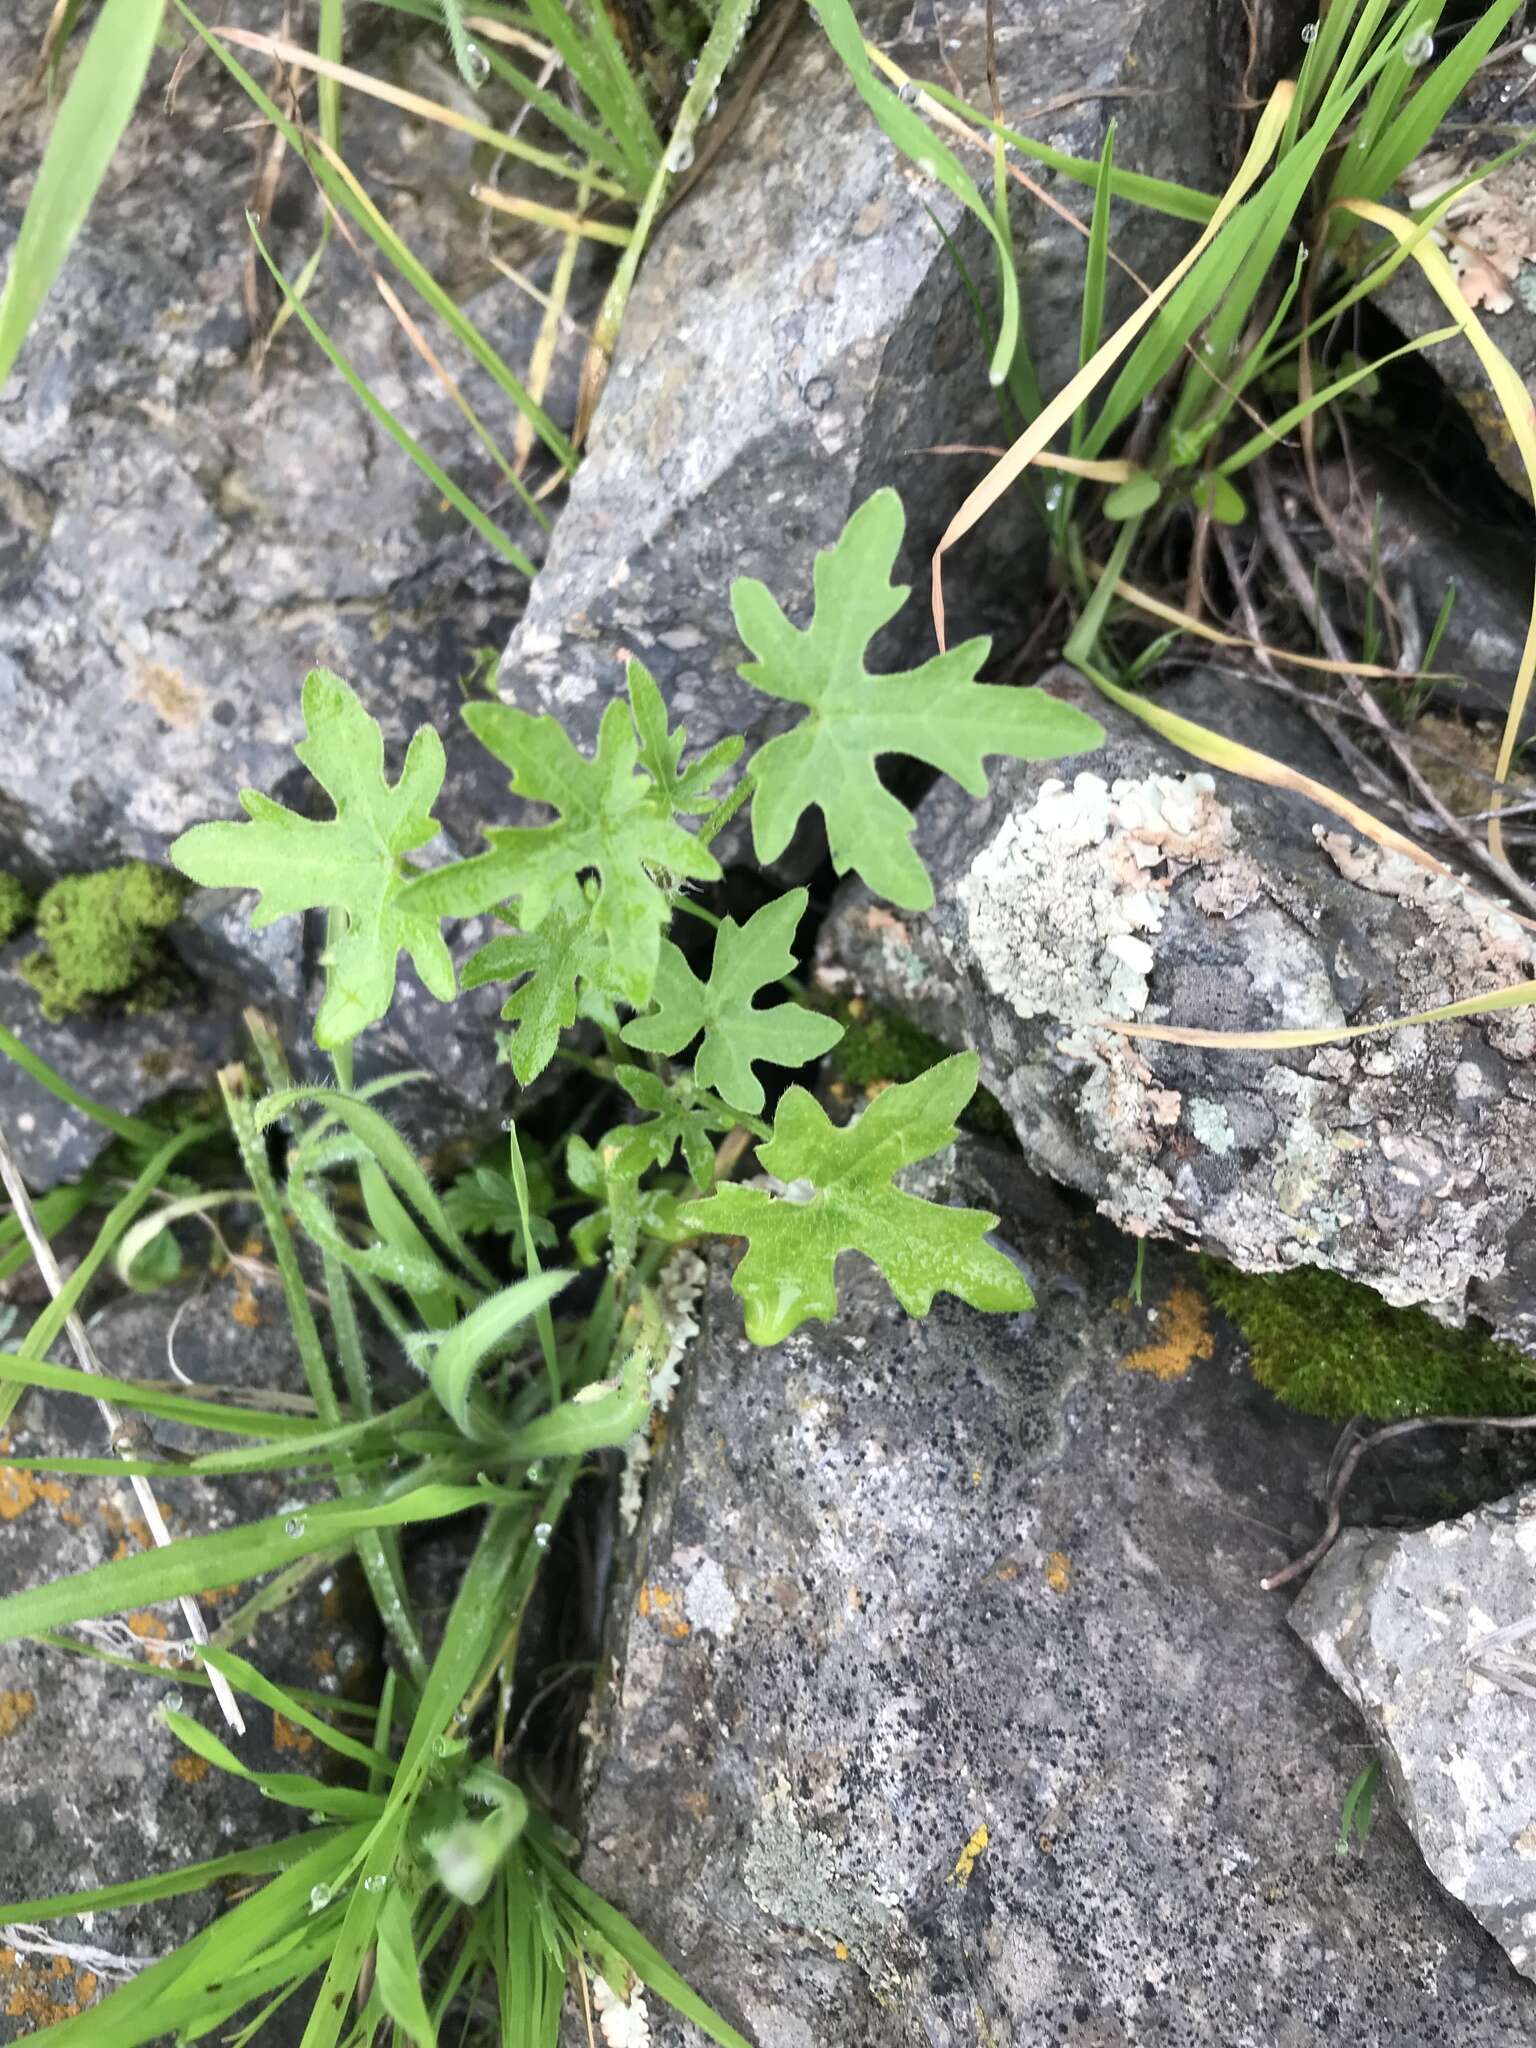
x: 120, y: 1060
x: 1125, y: 884
x: 94, y: 1789
x: 180, y: 543
x: 798, y: 338
x: 901, y: 1582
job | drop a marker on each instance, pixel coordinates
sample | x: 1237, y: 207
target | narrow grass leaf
x: 228, y: 1555
x: 86, y: 131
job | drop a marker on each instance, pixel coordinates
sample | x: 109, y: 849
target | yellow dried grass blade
x: 1511, y: 998
x: 1105, y: 469
x: 1520, y: 416
x: 552, y: 217
x: 1058, y: 413
x: 1199, y: 629
x: 284, y: 52
x: 1231, y: 755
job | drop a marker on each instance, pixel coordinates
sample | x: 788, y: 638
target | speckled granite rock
x: 179, y: 543
x: 798, y: 338
x: 1403, y: 1623
x: 1125, y: 885
x: 122, y: 1061
x: 93, y: 1788
x: 947, y: 1708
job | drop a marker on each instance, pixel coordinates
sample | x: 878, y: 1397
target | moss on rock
x: 15, y: 907
x: 1330, y: 1347
x: 101, y: 935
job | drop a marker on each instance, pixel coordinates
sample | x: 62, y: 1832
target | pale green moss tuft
x: 1330, y: 1347
x: 102, y: 934
x: 15, y: 907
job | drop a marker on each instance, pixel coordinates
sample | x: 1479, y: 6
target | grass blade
x: 195, y: 1563
x: 133, y: 1128
x: 90, y: 124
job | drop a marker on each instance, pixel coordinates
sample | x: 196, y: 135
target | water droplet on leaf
x: 680, y: 155
x: 542, y: 1533
x: 319, y: 1898
x: 477, y: 64
x: 294, y: 1526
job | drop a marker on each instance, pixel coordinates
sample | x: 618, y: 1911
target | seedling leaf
x: 352, y: 864
x: 614, y: 821
x: 747, y: 958
x: 936, y: 713
x: 789, y: 1273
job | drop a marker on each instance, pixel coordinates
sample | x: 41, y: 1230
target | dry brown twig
x: 1346, y: 1471
x: 128, y: 1436
x: 1272, y: 521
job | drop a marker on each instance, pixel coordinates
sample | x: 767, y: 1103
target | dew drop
x: 1309, y: 33
x: 1418, y: 48
x: 477, y: 64
x: 319, y: 1897
x: 713, y: 108
x: 680, y: 155
x: 376, y: 1883
x: 907, y: 91
x: 542, y: 1533
x: 172, y: 1703
x: 690, y: 70
x: 294, y: 1526
x: 536, y: 1472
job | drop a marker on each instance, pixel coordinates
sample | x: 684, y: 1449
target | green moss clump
x: 1331, y: 1347
x: 15, y: 907
x: 102, y: 938
x: 880, y: 1046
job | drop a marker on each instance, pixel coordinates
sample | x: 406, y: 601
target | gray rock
x: 798, y: 338
x: 122, y: 1061
x: 1197, y: 900
x: 947, y: 1708
x: 1402, y: 1622
x: 94, y: 1789
x: 180, y: 543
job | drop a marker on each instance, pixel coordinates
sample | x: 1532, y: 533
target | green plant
x: 433, y: 1890
x: 625, y: 131
x: 15, y: 907
x: 1221, y: 368
x: 101, y: 937
x: 1331, y: 1347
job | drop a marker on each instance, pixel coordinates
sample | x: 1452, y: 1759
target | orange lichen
x: 655, y: 1600
x: 148, y: 1627
x: 840, y: 1950
x: 15, y: 1707
x: 1058, y: 1571
x: 1184, y: 1335
x: 22, y: 1490
x: 132, y: 1531
x: 190, y: 1769
x: 34, y: 1992
x: 287, y: 1734
x: 966, y: 1861
x: 246, y: 1309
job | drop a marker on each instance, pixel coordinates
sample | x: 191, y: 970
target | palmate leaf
x: 937, y: 713
x: 566, y: 956
x: 789, y: 1273
x: 687, y: 791
x: 614, y: 821
x: 351, y: 864
x: 747, y: 958
x: 680, y: 1118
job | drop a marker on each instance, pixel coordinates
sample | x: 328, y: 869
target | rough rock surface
x: 947, y: 1708
x: 180, y: 543
x: 119, y: 1060
x: 1124, y: 885
x: 1405, y: 1624
x: 821, y: 349
x: 93, y: 1787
